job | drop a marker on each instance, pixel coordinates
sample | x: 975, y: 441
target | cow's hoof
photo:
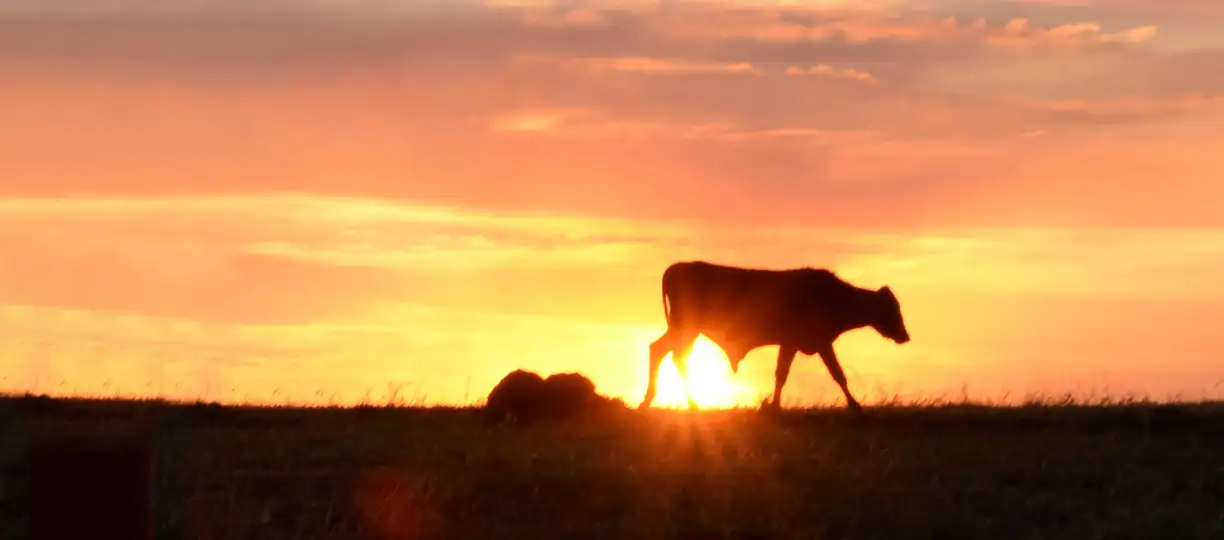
x: 769, y: 407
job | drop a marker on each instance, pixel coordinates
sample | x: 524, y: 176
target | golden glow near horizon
x: 710, y: 379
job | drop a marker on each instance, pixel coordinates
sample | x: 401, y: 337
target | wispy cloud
x: 1020, y: 34
x: 825, y: 70
x: 660, y: 65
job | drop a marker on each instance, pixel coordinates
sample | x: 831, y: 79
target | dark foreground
x: 1136, y: 471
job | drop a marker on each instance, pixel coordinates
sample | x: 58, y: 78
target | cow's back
x: 751, y: 304
x: 716, y: 296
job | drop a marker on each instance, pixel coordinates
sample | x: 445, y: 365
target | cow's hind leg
x: 658, y: 350
x: 680, y: 354
x: 786, y: 357
x: 830, y: 361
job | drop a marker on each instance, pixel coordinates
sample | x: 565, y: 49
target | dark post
x: 90, y: 486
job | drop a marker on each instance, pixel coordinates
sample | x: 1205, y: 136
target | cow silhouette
x: 740, y: 309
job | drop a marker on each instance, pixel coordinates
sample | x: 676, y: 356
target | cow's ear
x: 886, y: 295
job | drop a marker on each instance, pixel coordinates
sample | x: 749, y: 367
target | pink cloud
x: 1018, y: 34
x: 584, y: 16
x: 825, y: 70
x: 795, y: 24
x: 658, y: 65
x: 1181, y: 6
x: 1136, y: 106
x: 635, y: 64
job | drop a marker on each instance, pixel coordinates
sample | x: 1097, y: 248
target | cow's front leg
x: 680, y: 356
x: 786, y: 357
x: 658, y: 350
x: 830, y: 361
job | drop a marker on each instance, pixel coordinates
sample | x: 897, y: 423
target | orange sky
x: 318, y: 200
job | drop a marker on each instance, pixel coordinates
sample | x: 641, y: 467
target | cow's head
x: 885, y: 316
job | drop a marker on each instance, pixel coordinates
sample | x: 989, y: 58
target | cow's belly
x: 740, y: 331
x: 738, y: 336
x: 740, y: 320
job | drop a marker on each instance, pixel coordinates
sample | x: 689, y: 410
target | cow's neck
x: 860, y: 316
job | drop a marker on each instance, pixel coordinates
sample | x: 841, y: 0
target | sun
x: 710, y: 379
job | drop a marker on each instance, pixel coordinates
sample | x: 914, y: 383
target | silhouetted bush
x: 524, y: 397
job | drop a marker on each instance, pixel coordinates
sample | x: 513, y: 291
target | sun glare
x: 710, y: 378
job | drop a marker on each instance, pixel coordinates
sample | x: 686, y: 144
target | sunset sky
x: 327, y: 201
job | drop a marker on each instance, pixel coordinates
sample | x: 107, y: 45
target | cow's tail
x: 666, y: 298
x: 666, y: 309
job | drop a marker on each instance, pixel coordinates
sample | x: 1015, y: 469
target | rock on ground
x: 524, y: 397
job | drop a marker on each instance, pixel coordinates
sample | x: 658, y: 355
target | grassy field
x: 1040, y: 472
